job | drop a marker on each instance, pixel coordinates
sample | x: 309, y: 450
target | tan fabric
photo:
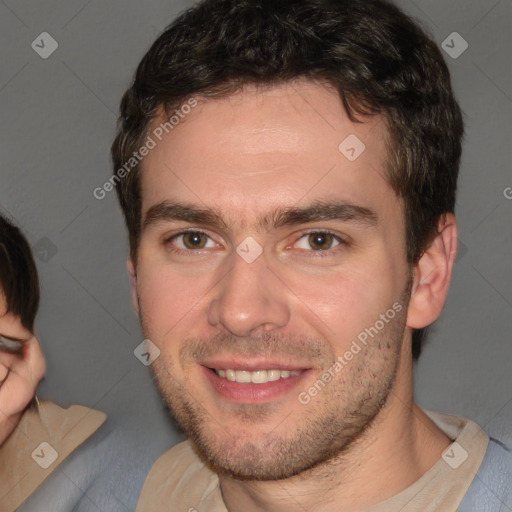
x: 180, y: 481
x: 442, y: 487
x: 22, y: 456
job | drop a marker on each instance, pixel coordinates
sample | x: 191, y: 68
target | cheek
x: 158, y: 297
x: 168, y: 300
x: 343, y: 303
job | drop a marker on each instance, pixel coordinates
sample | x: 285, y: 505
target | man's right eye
x: 189, y: 240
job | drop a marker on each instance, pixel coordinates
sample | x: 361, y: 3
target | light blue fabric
x: 105, y: 474
x: 491, y: 490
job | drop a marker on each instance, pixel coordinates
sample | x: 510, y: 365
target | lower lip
x: 249, y: 393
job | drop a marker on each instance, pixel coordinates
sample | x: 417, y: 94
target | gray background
x: 58, y: 120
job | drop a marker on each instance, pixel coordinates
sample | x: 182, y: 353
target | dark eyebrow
x: 287, y: 216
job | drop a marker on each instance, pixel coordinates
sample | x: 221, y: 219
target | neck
x: 397, y: 449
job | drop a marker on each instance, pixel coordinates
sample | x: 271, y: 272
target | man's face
x: 319, y: 282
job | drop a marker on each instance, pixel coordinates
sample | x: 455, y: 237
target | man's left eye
x: 319, y: 241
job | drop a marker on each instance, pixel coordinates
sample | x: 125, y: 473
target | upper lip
x: 252, y: 365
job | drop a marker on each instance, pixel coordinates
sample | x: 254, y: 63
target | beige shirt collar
x: 443, y: 486
x: 45, y: 436
x: 180, y: 481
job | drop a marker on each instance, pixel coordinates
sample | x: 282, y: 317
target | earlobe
x: 133, y: 274
x: 432, y: 275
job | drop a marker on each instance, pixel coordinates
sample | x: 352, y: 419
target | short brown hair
x: 376, y: 57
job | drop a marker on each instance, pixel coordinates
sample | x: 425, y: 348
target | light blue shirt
x: 491, y: 489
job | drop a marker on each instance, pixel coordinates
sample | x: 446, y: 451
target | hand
x: 20, y: 374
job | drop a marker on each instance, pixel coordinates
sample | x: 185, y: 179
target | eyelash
x: 316, y: 254
x: 10, y: 345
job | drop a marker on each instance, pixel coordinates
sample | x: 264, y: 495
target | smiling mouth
x: 252, y: 383
x: 255, y: 377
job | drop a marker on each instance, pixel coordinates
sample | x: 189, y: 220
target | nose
x: 249, y: 298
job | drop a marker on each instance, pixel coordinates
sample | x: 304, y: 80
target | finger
x: 4, y: 371
x: 16, y: 392
x: 36, y: 362
x: 25, y: 372
x: 31, y: 365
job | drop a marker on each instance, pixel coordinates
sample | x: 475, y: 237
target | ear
x: 433, y: 274
x: 133, y: 274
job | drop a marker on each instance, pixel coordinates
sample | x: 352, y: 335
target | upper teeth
x: 257, y: 377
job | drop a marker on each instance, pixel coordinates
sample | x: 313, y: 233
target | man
x: 287, y: 172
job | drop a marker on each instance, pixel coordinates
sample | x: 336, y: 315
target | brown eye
x: 316, y: 244
x: 189, y: 242
x: 320, y: 241
x: 194, y: 240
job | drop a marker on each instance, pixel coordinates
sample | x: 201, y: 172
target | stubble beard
x: 310, y: 439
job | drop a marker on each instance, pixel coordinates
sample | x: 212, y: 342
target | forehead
x: 262, y: 149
